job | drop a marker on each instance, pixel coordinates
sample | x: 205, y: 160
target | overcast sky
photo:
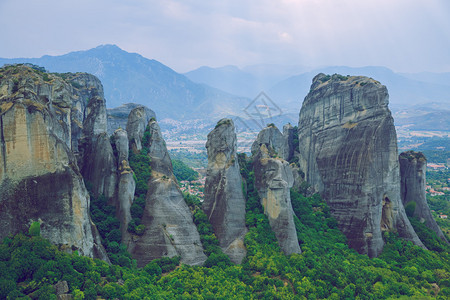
x: 404, y: 35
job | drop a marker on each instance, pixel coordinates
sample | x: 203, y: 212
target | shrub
x: 35, y: 229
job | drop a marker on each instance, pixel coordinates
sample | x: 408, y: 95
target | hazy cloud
x: 405, y: 35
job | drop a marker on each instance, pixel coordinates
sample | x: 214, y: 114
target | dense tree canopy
x: 326, y: 269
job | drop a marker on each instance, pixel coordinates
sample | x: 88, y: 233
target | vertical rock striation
x: 170, y: 230
x: 273, y: 180
x: 348, y: 152
x: 224, y: 202
x: 413, y: 167
x: 137, y: 120
x: 126, y: 185
x: 98, y: 163
x: 36, y: 118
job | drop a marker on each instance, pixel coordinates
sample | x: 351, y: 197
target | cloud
x: 406, y: 35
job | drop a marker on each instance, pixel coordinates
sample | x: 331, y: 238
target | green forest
x: 326, y: 269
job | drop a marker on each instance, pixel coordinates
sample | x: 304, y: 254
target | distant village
x: 438, y: 187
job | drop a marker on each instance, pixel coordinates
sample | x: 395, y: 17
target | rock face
x: 126, y: 185
x: 170, y: 230
x: 413, y: 167
x: 273, y: 137
x: 98, y: 164
x: 137, y: 121
x: 290, y: 143
x: 118, y: 116
x: 273, y: 180
x: 224, y: 201
x: 37, y: 115
x: 348, y: 152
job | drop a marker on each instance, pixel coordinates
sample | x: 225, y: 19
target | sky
x: 404, y: 35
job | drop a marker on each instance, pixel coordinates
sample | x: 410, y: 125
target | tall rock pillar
x: 273, y: 180
x: 413, y: 166
x: 224, y: 199
x: 348, y: 152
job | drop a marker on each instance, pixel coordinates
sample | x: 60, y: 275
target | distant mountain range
x: 129, y: 77
x: 212, y: 93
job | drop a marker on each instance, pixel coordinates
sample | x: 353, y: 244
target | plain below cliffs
x: 169, y: 227
x: 273, y: 180
x: 224, y: 201
x: 413, y: 167
x: 41, y: 118
x: 348, y: 152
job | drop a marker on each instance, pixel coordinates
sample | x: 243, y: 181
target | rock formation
x: 413, y: 167
x: 272, y: 136
x: 126, y: 185
x: 118, y: 116
x: 170, y: 230
x: 137, y: 121
x: 273, y: 180
x: 37, y: 114
x: 98, y: 164
x: 224, y: 201
x: 348, y: 152
x: 290, y: 143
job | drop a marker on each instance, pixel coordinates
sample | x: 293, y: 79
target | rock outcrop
x: 98, y: 163
x: 170, y: 230
x: 290, y: 142
x: 273, y: 180
x: 272, y: 136
x: 118, y: 116
x: 348, y: 152
x: 137, y: 121
x: 224, y: 201
x: 413, y: 166
x: 37, y: 114
x: 126, y: 185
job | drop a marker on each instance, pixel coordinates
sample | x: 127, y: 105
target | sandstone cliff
x: 348, y: 152
x: 40, y: 120
x: 224, y: 201
x: 273, y: 180
x: 170, y: 230
x: 413, y: 167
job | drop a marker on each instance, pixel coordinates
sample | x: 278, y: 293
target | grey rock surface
x: 96, y: 158
x: 100, y: 166
x: 137, y: 121
x: 39, y: 176
x: 290, y: 143
x: 271, y: 136
x: 273, y: 180
x: 224, y: 201
x: 118, y: 116
x: 413, y: 167
x: 126, y: 185
x: 170, y: 230
x: 348, y: 152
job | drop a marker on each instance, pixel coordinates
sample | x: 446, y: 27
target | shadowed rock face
x: 273, y: 180
x: 126, y: 185
x: 348, y: 152
x: 97, y: 162
x: 224, y: 202
x: 170, y: 230
x: 39, y: 177
x: 413, y: 166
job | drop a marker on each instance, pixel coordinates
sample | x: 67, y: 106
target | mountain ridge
x: 130, y: 77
